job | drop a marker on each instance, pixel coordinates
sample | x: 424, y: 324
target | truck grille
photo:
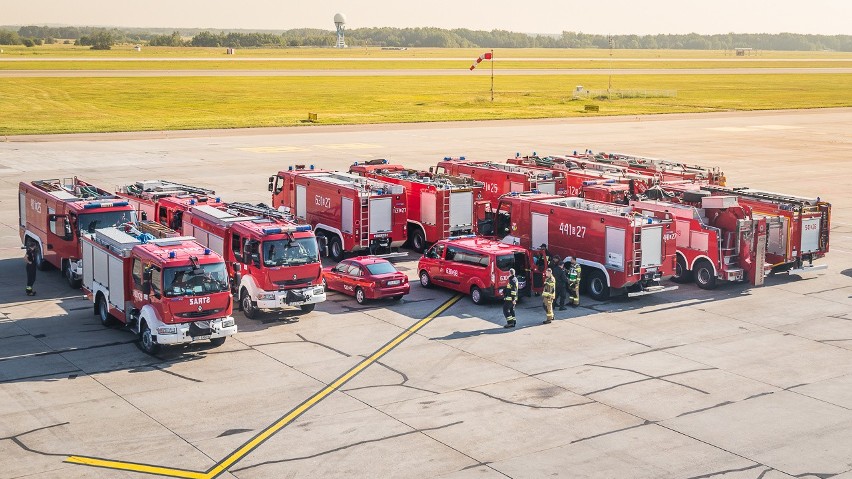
x: 198, y: 314
x: 294, y: 282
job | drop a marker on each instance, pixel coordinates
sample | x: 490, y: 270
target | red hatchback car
x: 366, y: 277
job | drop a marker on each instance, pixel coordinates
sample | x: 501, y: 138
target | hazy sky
x: 532, y: 16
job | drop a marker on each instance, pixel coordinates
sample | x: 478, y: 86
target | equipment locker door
x: 346, y: 216
x: 548, y: 187
x: 516, y: 187
x: 428, y: 216
x: 380, y: 215
x: 301, y: 202
x: 22, y: 206
x: 810, y: 234
x: 615, y: 248
x: 461, y: 208
x: 539, y: 230
x: 652, y: 246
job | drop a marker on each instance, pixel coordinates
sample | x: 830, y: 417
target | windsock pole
x: 492, y: 75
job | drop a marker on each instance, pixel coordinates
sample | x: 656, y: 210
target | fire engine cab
x: 476, y: 266
x: 54, y: 214
x: 353, y: 212
x: 167, y: 290
x: 274, y: 263
x: 621, y: 249
x: 439, y: 206
x: 165, y: 201
x: 499, y: 178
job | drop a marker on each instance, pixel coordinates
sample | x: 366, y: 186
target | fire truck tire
x: 247, y: 305
x: 69, y: 276
x: 307, y: 308
x: 425, y: 280
x: 41, y: 264
x: 598, y: 289
x: 335, y: 249
x: 360, y: 298
x: 418, y: 239
x: 476, y: 295
x: 705, y: 278
x: 681, y: 275
x: 146, y: 340
x: 216, y: 342
x: 102, y: 311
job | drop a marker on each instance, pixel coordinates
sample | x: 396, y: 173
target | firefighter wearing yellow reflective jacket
x: 572, y: 271
x: 548, y: 295
x: 510, y: 298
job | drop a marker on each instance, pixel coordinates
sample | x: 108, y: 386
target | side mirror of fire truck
x: 271, y: 183
x: 144, y: 216
x: 431, y: 169
x: 322, y: 243
x: 146, y: 281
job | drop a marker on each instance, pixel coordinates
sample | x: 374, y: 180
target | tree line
x: 420, y: 37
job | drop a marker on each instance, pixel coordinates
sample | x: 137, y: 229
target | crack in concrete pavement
x: 15, y: 438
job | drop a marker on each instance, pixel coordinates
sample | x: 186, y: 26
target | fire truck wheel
x: 249, y: 309
x: 216, y: 342
x: 425, y: 280
x: 146, y: 340
x: 418, y: 240
x: 681, y: 275
x: 704, y: 276
x: 69, y: 276
x: 307, y: 308
x: 476, y: 295
x: 598, y: 289
x: 102, y: 310
x: 335, y: 249
x: 41, y: 264
x: 359, y: 296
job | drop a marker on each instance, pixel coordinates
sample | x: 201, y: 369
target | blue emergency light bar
x: 272, y: 231
x: 105, y: 204
x: 172, y: 255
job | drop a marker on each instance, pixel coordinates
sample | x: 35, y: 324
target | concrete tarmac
x: 736, y: 382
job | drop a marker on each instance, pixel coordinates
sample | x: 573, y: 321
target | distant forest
x: 416, y: 37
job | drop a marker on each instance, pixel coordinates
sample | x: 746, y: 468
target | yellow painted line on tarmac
x: 270, y: 431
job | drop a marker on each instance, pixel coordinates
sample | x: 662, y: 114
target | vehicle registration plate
x: 393, y: 283
x: 198, y: 338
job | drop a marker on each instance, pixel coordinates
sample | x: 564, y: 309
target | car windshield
x: 290, y: 252
x: 381, y: 268
x: 195, y: 281
x: 89, y: 222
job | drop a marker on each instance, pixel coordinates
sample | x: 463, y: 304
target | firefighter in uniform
x: 548, y: 295
x: 30, y: 258
x: 510, y: 298
x: 561, y: 282
x: 573, y: 273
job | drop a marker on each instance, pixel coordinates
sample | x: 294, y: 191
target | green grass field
x: 71, y: 105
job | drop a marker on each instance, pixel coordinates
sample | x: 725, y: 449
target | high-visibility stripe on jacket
x: 574, y: 273
x: 549, y: 289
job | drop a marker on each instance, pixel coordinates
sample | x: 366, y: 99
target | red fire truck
x: 621, y: 249
x: 477, y: 266
x: 439, y: 206
x: 168, y: 290
x: 53, y: 214
x: 665, y: 170
x: 797, y: 228
x: 499, y: 178
x: 273, y: 261
x: 165, y: 201
x: 353, y: 212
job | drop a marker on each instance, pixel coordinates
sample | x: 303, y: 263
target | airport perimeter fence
x: 622, y: 94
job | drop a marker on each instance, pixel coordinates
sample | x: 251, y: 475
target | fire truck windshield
x: 195, y: 281
x: 89, y: 222
x: 290, y: 252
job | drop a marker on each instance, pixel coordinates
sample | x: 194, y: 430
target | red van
x: 477, y: 266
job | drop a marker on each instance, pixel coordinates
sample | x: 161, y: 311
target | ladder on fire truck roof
x: 165, y: 187
x: 664, y: 165
x: 762, y: 195
x: 262, y: 211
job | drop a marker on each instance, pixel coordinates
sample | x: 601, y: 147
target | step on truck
x: 169, y: 291
x: 54, y: 214
x: 797, y: 228
x: 273, y: 262
x: 500, y: 178
x: 621, y: 250
x: 439, y: 206
x: 354, y: 213
x: 165, y: 201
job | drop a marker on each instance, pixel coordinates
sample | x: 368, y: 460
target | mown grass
x: 68, y: 105
x: 60, y: 51
x: 388, y: 64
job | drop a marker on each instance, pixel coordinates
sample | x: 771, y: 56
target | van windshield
x: 89, y: 222
x: 290, y: 252
x: 195, y: 281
